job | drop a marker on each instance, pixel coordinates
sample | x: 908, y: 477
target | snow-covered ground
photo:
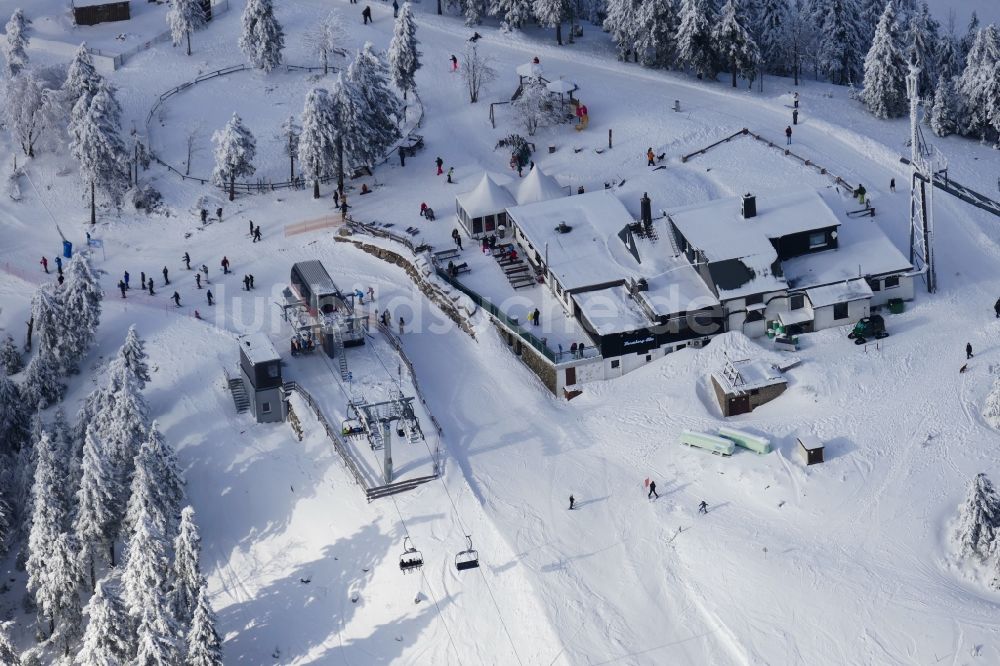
x: 841, y: 563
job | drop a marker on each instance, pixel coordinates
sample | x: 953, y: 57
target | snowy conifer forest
x: 405, y: 332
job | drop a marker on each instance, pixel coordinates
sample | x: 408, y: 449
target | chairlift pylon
x: 411, y: 559
x: 468, y: 558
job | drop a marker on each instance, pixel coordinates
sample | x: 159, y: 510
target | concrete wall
x: 823, y: 317
x: 905, y: 290
x: 274, y: 399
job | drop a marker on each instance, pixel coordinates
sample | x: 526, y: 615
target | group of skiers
x: 652, y: 494
x: 124, y: 284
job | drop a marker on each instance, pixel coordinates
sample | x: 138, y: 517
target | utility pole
x: 921, y: 190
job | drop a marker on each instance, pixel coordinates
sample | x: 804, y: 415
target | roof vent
x: 563, y: 228
x: 749, y: 206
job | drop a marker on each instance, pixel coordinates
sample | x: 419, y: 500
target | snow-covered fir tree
x: 404, y: 61
x: 734, y: 44
x: 921, y: 39
x: 370, y: 120
x: 513, y: 14
x: 95, y: 524
x: 48, y: 514
x: 550, y: 14
x: 25, y: 110
x: 132, y: 356
x: 43, y: 385
x: 325, y: 39
x: 370, y: 74
x: 62, y: 441
x: 695, y: 47
x: 144, y: 578
x: 235, y: 150
x: 624, y: 22
x: 62, y: 583
x: 869, y: 13
x: 657, y: 41
x: 183, y: 18
x: 534, y: 107
x: 774, y: 37
x: 977, y: 85
x: 262, y: 39
x: 14, y: 417
x: 162, y: 485
x: 186, y: 579
x: 968, y: 39
x: 8, y: 655
x: 16, y: 43
x: 946, y: 56
x: 472, y: 10
x: 81, y: 298
x: 81, y: 79
x: 290, y: 133
x: 204, y: 647
x: 944, y: 121
x: 885, y: 70
x: 49, y: 322
x: 992, y: 98
x: 840, y: 48
x: 96, y: 143
x: 107, y: 640
x: 10, y: 358
x: 317, y: 144
x: 978, y: 520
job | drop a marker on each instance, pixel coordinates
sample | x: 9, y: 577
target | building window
x: 892, y: 282
x: 796, y: 302
x: 490, y: 223
x: 273, y: 370
x: 477, y: 225
x: 754, y: 315
x: 817, y: 239
x: 875, y: 284
x: 265, y: 408
x: 615, y: 364
x: 755, y: 299
x: 502, y: 218
x: 649, y: 357
x: 840, y: 311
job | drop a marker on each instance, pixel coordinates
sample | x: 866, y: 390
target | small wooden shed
x: 92, y: 12
x: 742, y: 386
x: 811, y: 449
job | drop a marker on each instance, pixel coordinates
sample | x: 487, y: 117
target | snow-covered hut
x: 260, y: 372
x: 483, y: 208
x: 742, y: 386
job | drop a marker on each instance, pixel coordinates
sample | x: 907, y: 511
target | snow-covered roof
x: 591, y: 255
x: 719, y: 229
x: 839, y: 292
x: 611, y: 311
x: 529, y: 69
x: 537, y: 186
x: 753, y: 374
x: 862, y: 250
x: 487, y: 198
x: 257, y: 347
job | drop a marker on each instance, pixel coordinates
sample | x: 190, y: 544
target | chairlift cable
x: 461, y: 524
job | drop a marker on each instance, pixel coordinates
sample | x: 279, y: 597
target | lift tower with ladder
x: 923, y: 159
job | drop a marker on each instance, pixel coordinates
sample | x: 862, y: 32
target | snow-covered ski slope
x: 841, y: 563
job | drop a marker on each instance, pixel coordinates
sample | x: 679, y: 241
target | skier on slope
x: 454, y: 63
x: 703, y: 507
x: 572, y: 501
x: 440, y: 165
x: 996, y: 308
x: 652, y: 490
x: 177, y: 299
x: 968, y: 350
x: 366, y: 14
x: 788, y: 135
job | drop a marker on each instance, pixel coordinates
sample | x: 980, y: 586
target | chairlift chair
x: 468, y: 558
x: 411, y: 559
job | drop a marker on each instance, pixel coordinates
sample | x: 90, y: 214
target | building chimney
x: 749, y: 206
x: 646, y: 210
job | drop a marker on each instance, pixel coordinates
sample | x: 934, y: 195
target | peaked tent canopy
x: 537, y: 186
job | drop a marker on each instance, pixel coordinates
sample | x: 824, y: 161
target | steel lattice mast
x: 921, y: 190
